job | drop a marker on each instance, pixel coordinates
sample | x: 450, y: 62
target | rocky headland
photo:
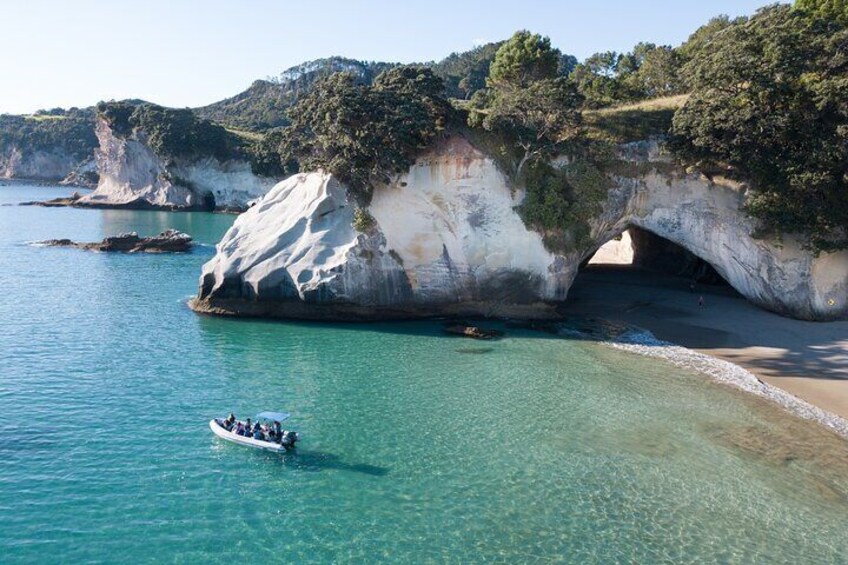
x: 54, y: 164
x: 133, y: 176
x: 447, y: 238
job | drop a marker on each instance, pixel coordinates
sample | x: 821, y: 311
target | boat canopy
x: 276, y: 416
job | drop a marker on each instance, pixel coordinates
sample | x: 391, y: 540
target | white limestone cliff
x: 447, y: 239
x: 705, y: 217
x: 52, y: 165
x: 133, y: 176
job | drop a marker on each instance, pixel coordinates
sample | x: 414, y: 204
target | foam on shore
x: 643, y: 342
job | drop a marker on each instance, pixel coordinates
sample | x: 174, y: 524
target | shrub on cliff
x: 71, y: 131
x: 835, y: 10
x: 526, y: 103
x: 770, y: 100
x: 171, y: 133
x: 365, y: 133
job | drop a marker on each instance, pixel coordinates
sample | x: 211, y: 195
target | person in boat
x: 257, y: 432
x: 230, y: 422
x: 278, y: 432
x: 239, y: 429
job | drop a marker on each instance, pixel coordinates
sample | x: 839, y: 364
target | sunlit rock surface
x: 447, y: 239
x: 55, y: 165
x: 133, y: 176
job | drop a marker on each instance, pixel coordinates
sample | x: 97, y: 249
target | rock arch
x: 448, y: 239
x: 705, y: 217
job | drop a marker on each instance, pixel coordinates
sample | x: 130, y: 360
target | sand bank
x: 806, y: 359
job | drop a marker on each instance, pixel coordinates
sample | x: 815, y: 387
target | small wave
x: 643, y: 342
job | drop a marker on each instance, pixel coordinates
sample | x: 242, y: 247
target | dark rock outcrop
x: 474, y: 332
x: 169, y: 241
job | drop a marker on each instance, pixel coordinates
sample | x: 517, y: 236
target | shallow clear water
x: 416, y: 446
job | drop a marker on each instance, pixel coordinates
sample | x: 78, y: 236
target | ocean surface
x: 416, y: 447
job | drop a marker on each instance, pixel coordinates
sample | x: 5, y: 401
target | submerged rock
x: 474, y: 332
x: 169, y: 241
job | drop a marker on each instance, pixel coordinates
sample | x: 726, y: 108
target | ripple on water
x: 414, y: 449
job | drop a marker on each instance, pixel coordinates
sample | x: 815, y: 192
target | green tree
x: 596, y: 79
x: 361, y: 133
x: 527, y: 103
x: 836, y: 10
x: 770, y: 100
x: 466, y: 73
x: 702, y: 39
x: 537, y: 119
x: 525, y: 58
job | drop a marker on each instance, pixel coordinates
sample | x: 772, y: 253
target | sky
x: 193, y: 52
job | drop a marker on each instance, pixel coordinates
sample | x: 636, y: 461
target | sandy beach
x: 806, y: 359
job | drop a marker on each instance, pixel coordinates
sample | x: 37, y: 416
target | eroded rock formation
x: 133, y: 176
x: 54, y: 165
x: 446, y: 238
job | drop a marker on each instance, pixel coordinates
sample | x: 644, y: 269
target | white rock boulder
x: 445, y: 239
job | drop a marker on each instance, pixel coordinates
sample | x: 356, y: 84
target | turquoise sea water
x: 416, y: 447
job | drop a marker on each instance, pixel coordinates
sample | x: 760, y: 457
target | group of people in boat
x: 273, y: 433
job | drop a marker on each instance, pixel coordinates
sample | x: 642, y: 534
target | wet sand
x: 806, y: 359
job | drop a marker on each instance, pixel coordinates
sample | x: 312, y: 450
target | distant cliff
x: 156, y: 158
x: 49, y: 147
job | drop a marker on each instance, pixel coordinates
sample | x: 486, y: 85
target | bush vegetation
x: 170, y: 132
x: 770, y: 101
x: 69, y: 130
x: 365, y: 133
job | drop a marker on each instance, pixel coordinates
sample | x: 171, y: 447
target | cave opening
x: 639, y: 249
x: 639, y: 271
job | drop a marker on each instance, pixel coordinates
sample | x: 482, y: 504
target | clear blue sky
x: 193, y: 52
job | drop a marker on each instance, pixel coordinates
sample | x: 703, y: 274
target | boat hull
x: 242, y: 440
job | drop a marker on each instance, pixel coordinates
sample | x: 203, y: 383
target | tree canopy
x: 170, y: 132
x: 525, y: 58
x: 770, y: 100
x: 836, y: 10
x: 365, y: 133
x: 527, y: 102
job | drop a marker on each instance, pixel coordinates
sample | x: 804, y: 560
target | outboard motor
x: 288, y: 439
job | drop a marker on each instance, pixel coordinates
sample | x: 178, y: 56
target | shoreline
x: 803, y: 366
x: 642, y: 342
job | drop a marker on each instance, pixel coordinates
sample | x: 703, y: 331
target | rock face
x: 169, y: 241
x: 55, y: 165
x: 133, y: 176
x: 704, y: 217
x: 446, y: 239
